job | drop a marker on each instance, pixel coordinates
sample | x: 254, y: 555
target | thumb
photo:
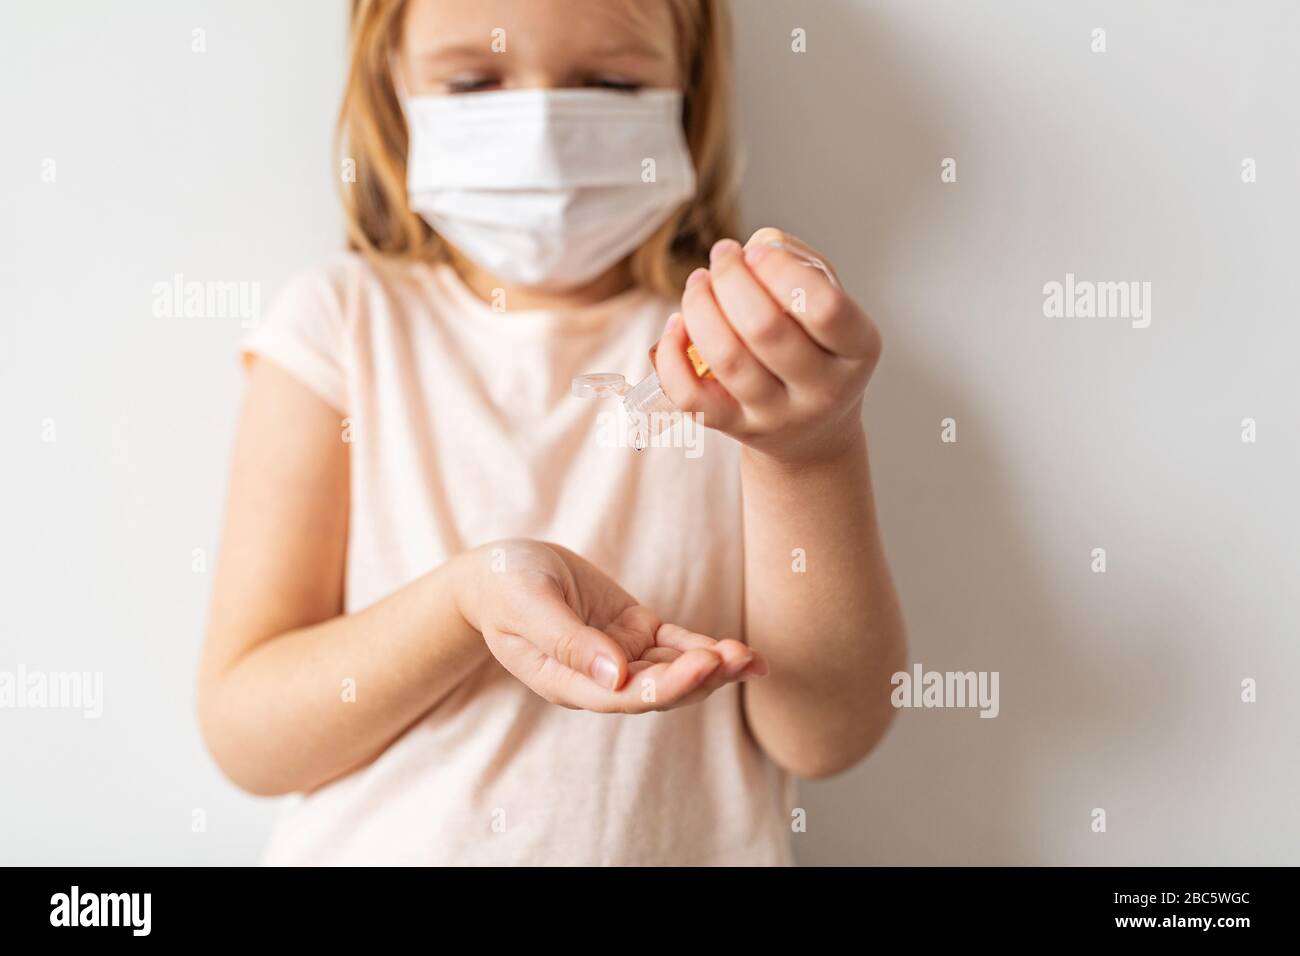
x: 768, y: 234
x: 557, y: 631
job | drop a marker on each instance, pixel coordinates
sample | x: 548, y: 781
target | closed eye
x: 471, y: 84
x: 477, y: 83
x: 615, y: 83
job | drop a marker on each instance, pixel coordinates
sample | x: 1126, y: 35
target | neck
x: 484, y: 285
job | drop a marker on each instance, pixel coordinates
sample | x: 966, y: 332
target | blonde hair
x: 371, y: 132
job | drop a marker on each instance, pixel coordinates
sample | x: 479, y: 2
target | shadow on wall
x: 842, y: 147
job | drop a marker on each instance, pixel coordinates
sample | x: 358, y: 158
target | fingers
x: 706, y: 324
x: 663, y: 686
x: 770, y: 313
x: 776, y: 340
x: 705, y: 397
x: 557, y: 631
x: 658, y: 686
x: 738, y: 659
x: 573, y: 664
x: 681, y: 671
x: 803, y: 285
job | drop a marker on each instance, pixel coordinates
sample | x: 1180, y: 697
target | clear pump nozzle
x: 648, y: 409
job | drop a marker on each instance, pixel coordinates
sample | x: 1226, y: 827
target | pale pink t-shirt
x: 463, y: 431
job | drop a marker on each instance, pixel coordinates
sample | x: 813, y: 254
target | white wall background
x: 1118, y: 690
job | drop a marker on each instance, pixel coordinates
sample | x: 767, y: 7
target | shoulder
x: 320, y: 314
x: 352, y: 287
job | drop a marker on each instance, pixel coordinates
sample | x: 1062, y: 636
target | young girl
x: 458, y: 622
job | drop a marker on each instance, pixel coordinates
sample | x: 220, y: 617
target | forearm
x: 309, y: 705
x: 832, y: 630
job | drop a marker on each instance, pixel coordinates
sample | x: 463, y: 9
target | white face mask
x: 547, y: 187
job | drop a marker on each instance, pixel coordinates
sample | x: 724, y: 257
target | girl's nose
x: 535, y: 80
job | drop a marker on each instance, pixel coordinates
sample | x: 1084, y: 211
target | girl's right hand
x: 561, y: 626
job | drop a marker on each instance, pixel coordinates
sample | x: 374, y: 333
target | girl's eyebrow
x: 630, y: 48
x: 454, y: 49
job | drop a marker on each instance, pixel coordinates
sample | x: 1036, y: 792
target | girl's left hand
x: 791, y: 352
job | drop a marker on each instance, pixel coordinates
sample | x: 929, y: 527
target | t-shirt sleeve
x: 303, y: 333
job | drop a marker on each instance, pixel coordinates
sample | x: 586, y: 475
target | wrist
x: 462, y: 572
x: 844, y: 445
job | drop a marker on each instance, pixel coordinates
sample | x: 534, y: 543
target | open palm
x: 563, y: 627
